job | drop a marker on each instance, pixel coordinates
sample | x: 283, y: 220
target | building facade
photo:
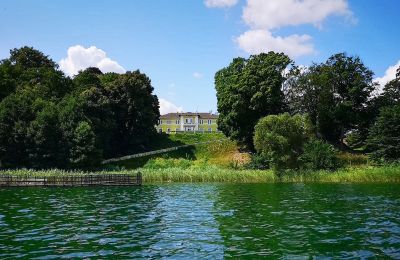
x: 184, y: 122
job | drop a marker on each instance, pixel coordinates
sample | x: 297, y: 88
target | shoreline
x: 213, y: 174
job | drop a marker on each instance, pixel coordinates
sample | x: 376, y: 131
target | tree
x: 49, y: 120
x: 280, y: 139
x: 335, y: 95
x: 27, y: 68
x: 135, y: 110
x: 384, y: 135
x: 84, y: 153
x: 247, y: 90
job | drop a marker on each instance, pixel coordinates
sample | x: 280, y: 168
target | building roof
x: 201, y: 115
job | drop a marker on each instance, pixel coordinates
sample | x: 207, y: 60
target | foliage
x: 334, y: 94
x: 258, y: 161
x: 382, y: 174
x: 280, y: 139
x: 247, y: 90
x: 218, y: 150
x: 83, y: 152
x: 318, y: 155
x: 49, y: 120
x: 384, y: 135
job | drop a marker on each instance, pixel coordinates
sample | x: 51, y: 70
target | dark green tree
x: 135, y: 110
x: 84, y: 152
x: 335, y: 95
x: 247, y: 90
x: 384, y: 135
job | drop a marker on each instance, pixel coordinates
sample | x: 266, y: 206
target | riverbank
x: 382, y: 174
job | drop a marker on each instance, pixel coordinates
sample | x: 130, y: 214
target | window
x: 168, y: 122
x: 209, y: 121
x: 177, y: 122
x: 168, y: 130
x: 209, y: 130
x: 201, y: 121
x: 160, y: 122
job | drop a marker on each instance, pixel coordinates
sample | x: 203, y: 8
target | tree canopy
x: 334, y: 94
x: 247, y: 90
x: 50, y: 120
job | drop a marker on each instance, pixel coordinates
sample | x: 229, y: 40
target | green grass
x: 220, y: 151
x: 203, y: 172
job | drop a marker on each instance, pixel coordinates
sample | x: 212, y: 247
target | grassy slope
x: 222, y: 152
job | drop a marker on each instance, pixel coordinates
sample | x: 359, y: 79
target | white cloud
x: 390, y: 74
x: 168, y: 107
x: 79, y: 58
x: 263, y: 16
x: 257, y: 41
x: 220, y: 3
x: 197, y: 75
x: 272, y: 14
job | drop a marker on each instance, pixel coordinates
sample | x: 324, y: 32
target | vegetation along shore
x: 277, y: 122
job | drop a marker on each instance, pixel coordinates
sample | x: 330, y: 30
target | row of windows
x: 187, y: 121
x: 189, y: 129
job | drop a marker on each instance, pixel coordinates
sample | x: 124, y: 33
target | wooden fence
x: 72, y: 180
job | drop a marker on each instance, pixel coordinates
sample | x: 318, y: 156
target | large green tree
x: 50, y: 120
x: 335, y: 94
x: 384, y: 135
x: 247, y: 90
x: 280, y: 139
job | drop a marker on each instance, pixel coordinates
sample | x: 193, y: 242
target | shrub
x: 319, y: 155
x: 384, y: 136
x: 163, y: 163
x: 280, y: 139
x: 258, y: 161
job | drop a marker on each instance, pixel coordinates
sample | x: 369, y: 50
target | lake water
x: 209, y: 221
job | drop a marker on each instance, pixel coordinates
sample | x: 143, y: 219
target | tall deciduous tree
x: 50, y: 120
x: 247, y: 90
x: 334, y: 94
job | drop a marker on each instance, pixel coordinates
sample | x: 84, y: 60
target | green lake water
x: 206, y: 221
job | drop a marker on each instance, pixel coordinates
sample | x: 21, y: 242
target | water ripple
x: 201, y: 221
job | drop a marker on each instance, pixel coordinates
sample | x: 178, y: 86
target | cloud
x: 262, y: 17
x: 273, y: 14
x: 79, y: 58
x: 257, y: 41
x: 390, y: 74
x: 168, y: 107
x: 220, y: 3
x: 197, y: 75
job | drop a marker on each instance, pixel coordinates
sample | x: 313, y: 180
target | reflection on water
x: 201, y: 221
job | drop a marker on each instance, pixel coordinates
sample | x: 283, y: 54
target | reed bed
x: 368, y: 174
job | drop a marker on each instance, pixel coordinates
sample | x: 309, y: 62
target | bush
x: 164, y: 163
x: 384, y: 136
x: 280, y: 139
x: 319, y: 155
x: 258, y: 161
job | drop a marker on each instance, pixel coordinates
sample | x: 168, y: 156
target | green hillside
x: 218, y: 150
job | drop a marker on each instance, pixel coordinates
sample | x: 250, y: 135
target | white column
x: 196, y: 122
x: 181, y: 121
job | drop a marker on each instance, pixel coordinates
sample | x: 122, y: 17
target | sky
x: 181, y: 44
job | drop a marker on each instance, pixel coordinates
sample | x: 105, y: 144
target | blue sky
x: 180, y: 44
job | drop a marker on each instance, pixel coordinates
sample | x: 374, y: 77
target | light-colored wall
x: 195, y: 122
